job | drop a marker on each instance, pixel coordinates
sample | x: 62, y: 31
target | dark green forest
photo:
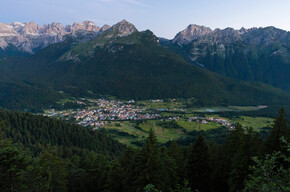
x: 42, y: 154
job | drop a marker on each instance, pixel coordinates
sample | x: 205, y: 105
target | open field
x: 165, y: 130
x: 172, y: 130
x: 255, y: 122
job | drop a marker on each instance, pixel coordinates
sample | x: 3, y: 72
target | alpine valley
x: 113, y: 109
x: 41, y: 65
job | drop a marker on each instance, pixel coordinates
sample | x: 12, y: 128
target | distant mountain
x: 126, y: 63
x: 192, y: 32
x: 256, y: 54
x: 29, y: 37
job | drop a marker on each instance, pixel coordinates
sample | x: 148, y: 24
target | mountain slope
x: 131, y: 64
x: 257, y: 54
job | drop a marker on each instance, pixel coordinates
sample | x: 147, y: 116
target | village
x: 102, y: 111
x: 112, y: 110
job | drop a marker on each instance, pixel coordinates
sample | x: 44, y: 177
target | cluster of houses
x: 111, y: 110
x: 219, y: 120
x: 105, y: 110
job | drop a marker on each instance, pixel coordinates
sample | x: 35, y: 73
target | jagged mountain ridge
x: 30, y: 37
x: 256, y: 54
x: 198, y: 32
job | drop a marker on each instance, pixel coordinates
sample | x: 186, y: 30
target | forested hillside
x: 62, y: 162
x: 35, y: 133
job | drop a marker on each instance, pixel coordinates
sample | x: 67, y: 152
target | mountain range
x: 30, y: 37
x: 85, y: 60
x: 256, y: 54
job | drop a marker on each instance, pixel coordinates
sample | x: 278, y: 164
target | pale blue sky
x: 164, y: 17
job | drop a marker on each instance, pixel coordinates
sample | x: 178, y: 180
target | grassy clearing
x: 163, y: 133
x: 226, y: 108
x: 66, y: 100
x: 165, y: 130
x: 161, y: 105
x: 191, y: 125
x: 255, y: 122
x: 170, y: 130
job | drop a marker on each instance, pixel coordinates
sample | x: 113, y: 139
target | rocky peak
x: 17, y: 26
x: 6, y: 30
x: 84, y: 26
x: 105, y: 28
x: 242, y: 31
x: 30, y: 29
x: 90, y: 26
x: 53, y: 29
x: 192, y: 32
x: 123, y: 28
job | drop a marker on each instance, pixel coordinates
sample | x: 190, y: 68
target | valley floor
x: 130, y: 121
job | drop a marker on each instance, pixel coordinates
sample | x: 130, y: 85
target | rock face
x: 121, y: 29
x: 84, y: 26
x: 191, y: 33
x: 30, y: 37
x: 260, y: 35
x: 256, y: 54
x: 124, y: 28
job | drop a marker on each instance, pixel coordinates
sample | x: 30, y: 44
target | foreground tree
x: 269, y: 174
x: 198, y: 166
x: 242, y: 158
x: 175, y: 152
x: 12, y: 165
x: 116, y: 177
x: 280, y: 129
x: 53, y: 168
x: 154, y: 166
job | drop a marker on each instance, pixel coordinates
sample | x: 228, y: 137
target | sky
x: 164, y: 17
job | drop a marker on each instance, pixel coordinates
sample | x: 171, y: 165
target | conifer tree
x: 241, y: 159
x: 96, y: 168
x: 148, y: 163
x: 280, y: 129
x: 128, y: 163
x: 116, y: 178
x: 175, y: 152
x: 54, y: 169
x: 198, y: 165
x: 12, y: 165
x: 168, y: 171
